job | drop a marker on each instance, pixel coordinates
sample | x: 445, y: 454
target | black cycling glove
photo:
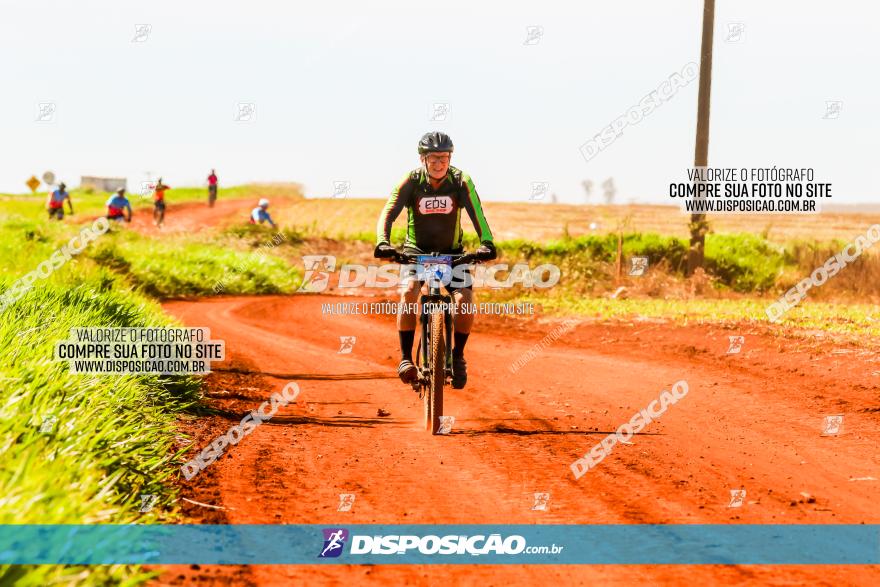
x: 486, y: 252
x: 384, y: 251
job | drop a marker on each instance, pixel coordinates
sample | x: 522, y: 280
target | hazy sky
x: 343, y: 90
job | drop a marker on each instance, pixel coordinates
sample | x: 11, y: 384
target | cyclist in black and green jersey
x: 434, y: 195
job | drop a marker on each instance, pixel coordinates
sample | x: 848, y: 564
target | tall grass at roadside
x: 78, y: 448
x: 740, y: 262
x: 186, y: 266
x: 860, y: 279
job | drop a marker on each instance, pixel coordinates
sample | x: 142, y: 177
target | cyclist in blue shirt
x: 117, y: 205
x: 55, y: 203
x: 260, y: 214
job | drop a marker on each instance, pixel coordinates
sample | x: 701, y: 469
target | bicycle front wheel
x: 437, y: 376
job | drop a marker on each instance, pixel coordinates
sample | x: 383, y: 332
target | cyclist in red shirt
x: 212, y: 188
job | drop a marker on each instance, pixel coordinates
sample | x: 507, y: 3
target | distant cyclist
x: 212, y: 188
x: 260, y: 214
x: 159, y: 202
x: 117, y: 206
x: 55, y: 203
x: 434, y: 195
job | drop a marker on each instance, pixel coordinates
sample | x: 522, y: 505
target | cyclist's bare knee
x: 409, y: 295
x: 464, y: 318
x: 409, y: 291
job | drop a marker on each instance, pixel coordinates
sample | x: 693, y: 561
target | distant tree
x: 588, y: 190
x: 610, y: 190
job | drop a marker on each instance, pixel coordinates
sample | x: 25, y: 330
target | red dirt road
x: 750, y: 421
x: 193, y: 216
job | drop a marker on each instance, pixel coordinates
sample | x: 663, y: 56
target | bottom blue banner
x: 738, y: 544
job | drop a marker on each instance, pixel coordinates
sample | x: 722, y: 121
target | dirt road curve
x: 193, y: 216
x: 750, y: 421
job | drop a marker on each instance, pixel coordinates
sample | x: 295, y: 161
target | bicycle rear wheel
x: 437, y: 376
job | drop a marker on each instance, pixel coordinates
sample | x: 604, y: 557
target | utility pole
x: 698, y: 224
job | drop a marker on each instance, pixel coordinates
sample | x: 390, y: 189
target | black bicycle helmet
x: 435, y: 142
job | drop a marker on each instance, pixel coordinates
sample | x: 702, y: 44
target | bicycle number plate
x: 434, y: 268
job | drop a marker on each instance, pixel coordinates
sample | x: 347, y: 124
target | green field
x: 91, y: 203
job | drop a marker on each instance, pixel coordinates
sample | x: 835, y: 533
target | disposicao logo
x: 334, y: 542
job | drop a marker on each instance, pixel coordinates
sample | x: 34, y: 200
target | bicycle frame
x: 435, y: 295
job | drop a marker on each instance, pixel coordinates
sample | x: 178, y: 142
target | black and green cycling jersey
x: 434, y: 216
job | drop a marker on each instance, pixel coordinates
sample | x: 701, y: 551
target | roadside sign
x: 33, y: 183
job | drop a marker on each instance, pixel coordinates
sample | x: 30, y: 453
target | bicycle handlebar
x: 457, y: 259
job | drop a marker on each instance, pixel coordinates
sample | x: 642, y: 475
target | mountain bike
x: 434, y: 358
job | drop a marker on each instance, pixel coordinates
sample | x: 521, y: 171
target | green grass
x: 185, y: 266
x: 745, y: 262
x: 741, y: 262
x: 239, y: 260
x: 111, y: 437
x: 111, y: 440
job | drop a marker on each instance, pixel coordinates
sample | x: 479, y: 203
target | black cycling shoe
x: 407, y: 371
x: 459, y: 372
